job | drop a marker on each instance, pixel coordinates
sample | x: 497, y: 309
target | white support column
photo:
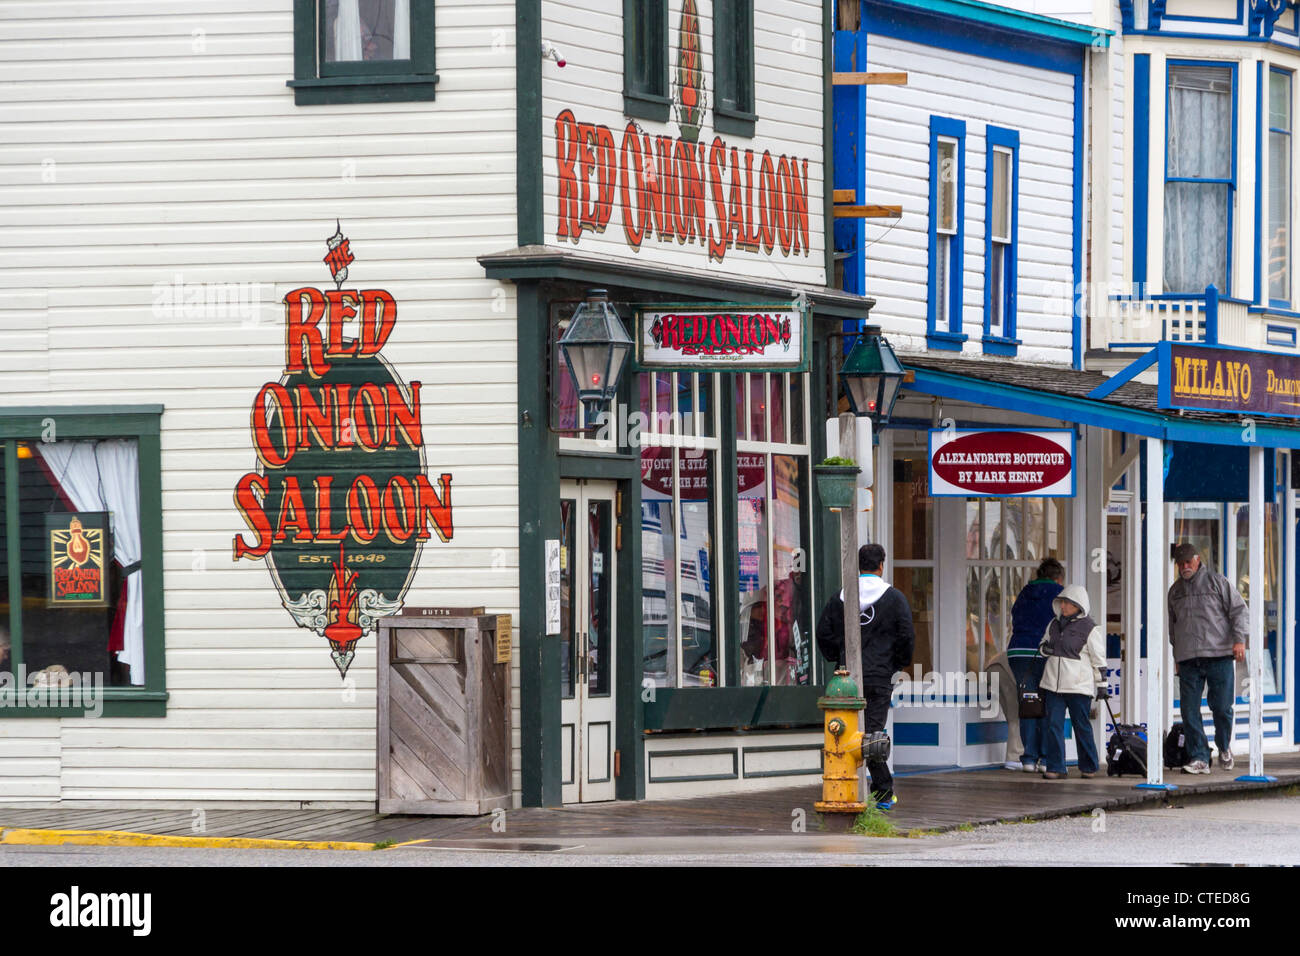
x: 1157, y: 652
x: 1287, y: 615
x: 1255, y: 651
x: 1133, y: 593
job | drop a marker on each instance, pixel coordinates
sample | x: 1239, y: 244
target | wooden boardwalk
x: 934, y: 801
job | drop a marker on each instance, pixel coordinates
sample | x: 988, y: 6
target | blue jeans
x: 1028, y: 671
x: 1193, y: 676
x: 1055, y: 706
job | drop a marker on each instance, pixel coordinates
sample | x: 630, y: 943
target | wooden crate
x: 444, y: 716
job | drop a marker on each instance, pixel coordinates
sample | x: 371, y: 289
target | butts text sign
x: 1213, y: 379
x: 692, y: 337
x: 1001, y: 463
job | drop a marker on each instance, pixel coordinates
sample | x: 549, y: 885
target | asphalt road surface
x: 1255, y: 831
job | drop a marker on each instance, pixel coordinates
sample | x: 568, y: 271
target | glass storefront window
x: 1241, y: 580
x: 913, y: 549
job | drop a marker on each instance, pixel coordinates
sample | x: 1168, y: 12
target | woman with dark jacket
x: 1030, y: 616
x: 1074, y: 675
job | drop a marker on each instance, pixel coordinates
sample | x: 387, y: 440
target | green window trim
x: 645, y: 60
x: 733, y: 67
x: 143, y: 423
x: 316, y: 82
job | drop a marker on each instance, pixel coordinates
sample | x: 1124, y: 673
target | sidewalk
x: 928, y: 802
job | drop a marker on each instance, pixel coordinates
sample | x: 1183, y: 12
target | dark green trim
x: 544, y: 262
x: 728, y: 487
x: 529, y: 192
x: 646, y: 102
x: 731, y: 752
x: 539, y: 520
x: 143, y: 423
x: 828, y: 138
x: 726, y: 708
x: 13, y: 553
x: 827, y: 525
x: 316, y: 82
x: 733, y: 81
x: 604, y: 468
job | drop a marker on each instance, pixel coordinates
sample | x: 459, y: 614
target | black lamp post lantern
x: 872, y: 376
x: 595, y: 346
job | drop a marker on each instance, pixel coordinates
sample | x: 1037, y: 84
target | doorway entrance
x: 588, y: 589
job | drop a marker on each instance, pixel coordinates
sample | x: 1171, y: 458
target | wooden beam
x: 846, y: 195
x: 868, y: 212
x: 868, y: 79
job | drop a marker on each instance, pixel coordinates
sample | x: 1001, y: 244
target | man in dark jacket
x: 1209, y: 627
x: 887, y: 641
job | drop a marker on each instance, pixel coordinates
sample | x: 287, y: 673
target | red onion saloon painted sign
x: 339, y: 506
x: 680, y: 190
x: 701, y: 336
x: 1002, y: 463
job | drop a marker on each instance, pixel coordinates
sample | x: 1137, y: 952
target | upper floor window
x: 947, y: 197
x: 1002, y: 181
x: 1278, y: 250
x: 733, y: 66
x: 1200, y: 174
x: 363, y: 51
x: 645, y: 59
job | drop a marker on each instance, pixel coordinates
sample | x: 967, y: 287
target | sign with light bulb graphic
x: 78, y: 543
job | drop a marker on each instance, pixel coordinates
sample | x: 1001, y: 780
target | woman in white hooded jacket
x: 1075, y: 675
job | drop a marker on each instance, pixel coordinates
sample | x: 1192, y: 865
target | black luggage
x: 1176, y: 747
x: 1126, y: 751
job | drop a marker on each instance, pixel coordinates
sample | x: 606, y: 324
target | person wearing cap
x: 1073, y: 676
x: 1209, y: 629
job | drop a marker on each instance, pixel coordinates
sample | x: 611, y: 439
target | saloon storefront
x: 1221, y: 480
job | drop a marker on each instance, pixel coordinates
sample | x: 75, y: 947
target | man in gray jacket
x: 1209, y: 628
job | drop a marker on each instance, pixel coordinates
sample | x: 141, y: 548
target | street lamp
x: 595, y: 346
x: 872, y: 376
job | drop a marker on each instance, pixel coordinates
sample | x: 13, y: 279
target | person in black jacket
x: 887, y: 642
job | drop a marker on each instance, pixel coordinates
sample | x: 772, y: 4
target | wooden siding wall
x: 788, y: 96
x: 145, y: 143
x: 1038, y: 103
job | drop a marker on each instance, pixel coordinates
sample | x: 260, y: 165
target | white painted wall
x: 131, y: 157
x: 788, y: 97
x: 1036, y: 102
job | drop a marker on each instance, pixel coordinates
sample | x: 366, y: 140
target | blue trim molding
x: 950, y: 338
x: 915, y: 734
x: 1260, y: 214
x: 1141, y: 164
x: 1079, y: 297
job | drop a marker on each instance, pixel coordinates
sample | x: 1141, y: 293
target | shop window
x: 1006, y: 539
x: 775, y: 635
x: 645, y: 59
x: 80, y: 563
x: 1200, y: 175
x: 733, y: 66
x: 1002, y: 188
x: 363, y: 51
x: 947, y: 200
x: 1279, y: 188
x: 679, y: 524
x: 912, y: 554
x: 1240, y: 577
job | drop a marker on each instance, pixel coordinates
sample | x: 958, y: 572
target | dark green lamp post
x: 595, y: 347
x: 872, y: 376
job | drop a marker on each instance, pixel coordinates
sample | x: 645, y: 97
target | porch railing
x: 1208, y: 319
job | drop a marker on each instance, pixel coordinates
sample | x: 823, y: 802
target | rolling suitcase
x: 1126, y: 751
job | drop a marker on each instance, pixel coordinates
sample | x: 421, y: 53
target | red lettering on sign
x: 567, y: 192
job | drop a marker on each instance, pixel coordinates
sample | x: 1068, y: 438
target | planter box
x: 837, y: 484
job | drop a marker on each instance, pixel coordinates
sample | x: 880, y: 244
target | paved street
x: 1262, y: 830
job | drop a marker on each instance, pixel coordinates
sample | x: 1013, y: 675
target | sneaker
x: 1053, y: 775
x: 1087, y: 774
x: 1196, y: 766
x: 1032, y: 767
x: 1011, y: 765
x: 887, y: 802
x: 1039, y: 767
x: 1225, y: 759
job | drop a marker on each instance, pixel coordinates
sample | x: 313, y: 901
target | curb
x: 22, y: 836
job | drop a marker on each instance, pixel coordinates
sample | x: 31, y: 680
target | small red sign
x: 1002, y: 464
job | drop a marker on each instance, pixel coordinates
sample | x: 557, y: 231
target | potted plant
x: 837, y: 481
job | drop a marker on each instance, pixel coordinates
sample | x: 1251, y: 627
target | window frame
x: 734, y: 109
x: 1003, y: 341
x: 1230, y: 182
x: 1269, y: 130
x: 143, y: 423
x: 315, y: 83
x: 952, y: 337
x: 648, y: 104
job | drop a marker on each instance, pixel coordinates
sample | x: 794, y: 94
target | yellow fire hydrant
x: 844, y: 746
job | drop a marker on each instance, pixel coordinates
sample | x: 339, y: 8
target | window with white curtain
x: 363, y: 51
x: 1199, y: 177
x: 1278, y: 253
x: 367, y: 30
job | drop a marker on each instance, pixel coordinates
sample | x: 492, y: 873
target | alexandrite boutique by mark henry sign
x: 1002, y: 463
